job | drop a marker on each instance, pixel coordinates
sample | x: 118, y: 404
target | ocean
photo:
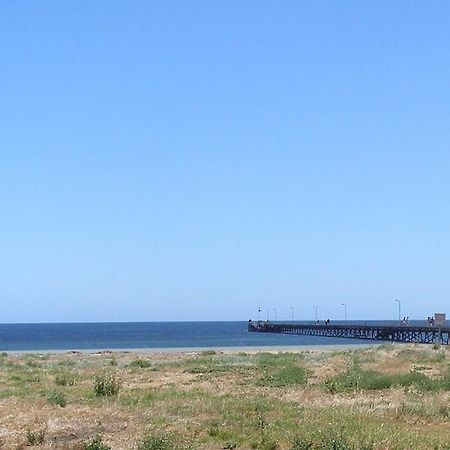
x: 149, y: 335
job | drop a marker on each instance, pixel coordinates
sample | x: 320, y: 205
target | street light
x: 345, y: 310
x: 316, y: 311
x: 275, y: 313
x: 268, y: 314
x: 292, y: 313
x: 399, y: 309
x: 259, y: 314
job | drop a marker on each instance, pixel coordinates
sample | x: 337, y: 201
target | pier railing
x: 399, y: 333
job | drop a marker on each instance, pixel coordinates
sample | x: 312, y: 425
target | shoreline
x: 224, y: 350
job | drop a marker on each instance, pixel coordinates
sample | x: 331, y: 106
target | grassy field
x: 389, y: 397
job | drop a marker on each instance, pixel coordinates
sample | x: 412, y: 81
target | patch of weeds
x: 138, y: 397
x: 66, y: 363
x: 57, y: 398
x: 35, y: 437
x: 96, y: 443
x: 302, y: 443
x: 278, y: 359
x: 443, y: 411
x: 355, y: 378
x: 333, y: 441
x: 65, y: 379
x: 208, y: 353
x: 106, y: 385
x: 113, y: 362
x: 214, y: 427
x: 281, y: 370
x: 410, y: 410
x: 156, y: 442
x: 207, y: 364
x: 288, y: 376
x: 413, y: 378
x: 32, y: 364
x: 3, y: 359
x: 230, y: 445
x: 265, y: 442
x: 220, y: 433
x: 140, y: 363
x: 422, y: 356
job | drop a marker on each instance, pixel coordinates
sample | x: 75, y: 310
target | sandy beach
x: 228, y: 350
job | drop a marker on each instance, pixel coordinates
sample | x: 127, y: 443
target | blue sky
x: 194, y: 160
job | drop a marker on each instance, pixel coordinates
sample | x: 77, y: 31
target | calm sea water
x: 103, y: 336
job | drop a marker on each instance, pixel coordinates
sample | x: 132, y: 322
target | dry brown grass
x: 212, y: 399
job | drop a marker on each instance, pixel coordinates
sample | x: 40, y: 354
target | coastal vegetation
x: 384, y: 397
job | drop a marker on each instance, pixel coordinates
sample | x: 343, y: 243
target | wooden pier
x: 395, y: 333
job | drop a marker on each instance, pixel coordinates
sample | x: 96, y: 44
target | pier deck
x: 399, y: 333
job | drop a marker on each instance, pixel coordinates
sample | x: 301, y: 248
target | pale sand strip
x: 225, y: 350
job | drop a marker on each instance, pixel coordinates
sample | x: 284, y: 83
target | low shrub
x: 106, y: 385
x: 156, y: 442
x: 65, y: 379
x: 286, y: 376
x: 57, y: 398
x: 96, y: 443
x: 140, y: 363
x: 35, y: 437
x: 355, y: 378
x: 328, y: 442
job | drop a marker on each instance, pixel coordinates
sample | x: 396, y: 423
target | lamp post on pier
x: 345, y: 310
x: 275, y: 313
x: 316, y: 311
x: 292, y: 313
x: 399, y: 309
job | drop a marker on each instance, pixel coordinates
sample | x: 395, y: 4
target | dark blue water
x: 85, y: 336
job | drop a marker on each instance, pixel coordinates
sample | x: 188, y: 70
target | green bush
x: 281, y: 369
x: 156, y: 442
x: 35, y: 437
x: 355, y: 378
x: 106, y: 385
x: 285, y: 376
x: 333, y: 441
x: 96, y: 443
x: 301, y: 443
x: 65, y: 379
x: 417, y: 379
x: 140, y: 363
x: 57, y: 398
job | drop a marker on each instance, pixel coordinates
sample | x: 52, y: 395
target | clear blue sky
x: 196, y: 160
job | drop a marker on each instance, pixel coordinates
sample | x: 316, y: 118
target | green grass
x: 278, y: 370
x: 265, y: 401
x: 357, y: 379
x: 57, y: 398
x: 65, y: 378
x: 141, y: 364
